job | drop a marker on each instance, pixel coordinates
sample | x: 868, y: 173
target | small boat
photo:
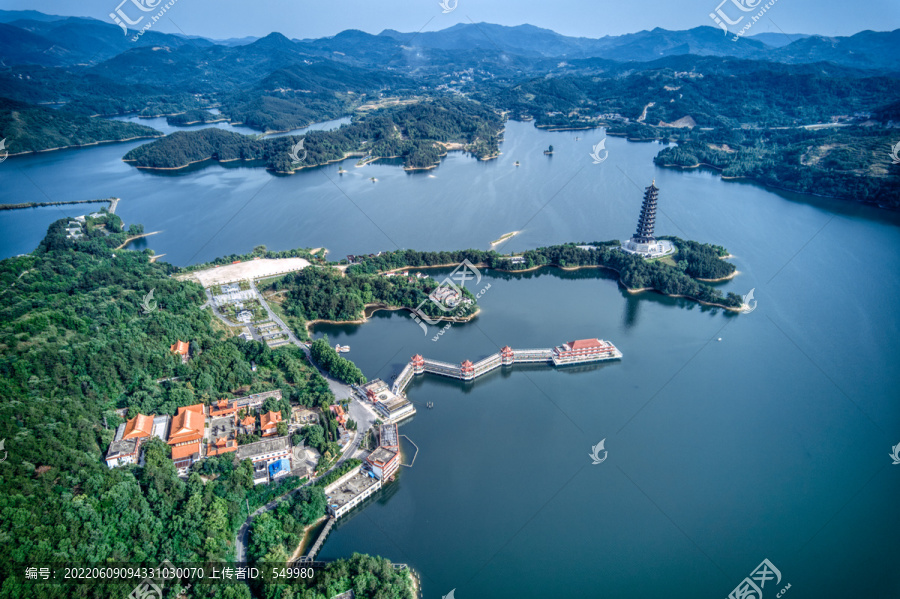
x: 341, y: 348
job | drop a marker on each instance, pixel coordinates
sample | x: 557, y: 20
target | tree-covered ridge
x: 695, y: 261
x: 852, y: 163
x: 718, y: 93
x: 80, y: 337
x: 28, y: 128
x: 412, y: 132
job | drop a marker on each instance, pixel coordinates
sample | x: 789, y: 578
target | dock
x: 584, y: 351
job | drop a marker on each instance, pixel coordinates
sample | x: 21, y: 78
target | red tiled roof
x: 139, y: 426
x: 188, y: 424
x: 269, y: 420
x: 466, y: 364
x: 180, y: 347
x: 183, y: 451
x: 248, y: 421
x: 585, y: 343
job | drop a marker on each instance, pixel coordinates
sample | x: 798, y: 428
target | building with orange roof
x: 188, y: 428
x: 223, y: 407
x: 139, y: 427
x: 268, y: 423
x: 339, y: 414
x: 126, y: 445
x: 182, y: 348
x: 247, y: 424
x: 222, y: 436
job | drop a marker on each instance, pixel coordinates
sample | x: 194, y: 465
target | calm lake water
x: 771, y: 444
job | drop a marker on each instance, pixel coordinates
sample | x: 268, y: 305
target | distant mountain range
x: 31, y: 37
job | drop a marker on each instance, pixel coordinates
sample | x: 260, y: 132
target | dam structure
x: 582, y: 351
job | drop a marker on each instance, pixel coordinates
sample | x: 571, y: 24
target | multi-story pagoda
x: 643, y: 242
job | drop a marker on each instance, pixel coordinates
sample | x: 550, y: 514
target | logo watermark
x: 600, y: 147
x: 449, y: 595
x: 152, y: 586
x: 120, y: 18
x: 721, y: 19
x: 6, y: 152
x: 752, y: 586
x: 448, y: 6
x: 448, y: 296
x: 894, y: 152
x: 148, y: 304
x: 595, y: 452
x: 895, y: 456
x: 746, y: 307
x: 6, y: 454
x: 295, y: 152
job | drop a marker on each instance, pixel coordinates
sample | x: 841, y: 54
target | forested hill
x: 79, y: 339
x: 29, y: 128
x: 413, y: 132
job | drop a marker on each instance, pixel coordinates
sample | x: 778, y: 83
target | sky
x: 221, y: 19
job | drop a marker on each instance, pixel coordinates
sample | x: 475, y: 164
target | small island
x: 505, y: 237
x: 417, y: 133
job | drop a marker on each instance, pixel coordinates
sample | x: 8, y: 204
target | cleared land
x: 250, y: 269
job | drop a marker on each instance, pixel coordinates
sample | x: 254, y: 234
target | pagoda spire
x: 644, y: 232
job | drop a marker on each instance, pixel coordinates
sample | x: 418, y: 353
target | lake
x: 770, y: 444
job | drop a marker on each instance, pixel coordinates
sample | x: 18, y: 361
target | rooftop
x: 139, y: 426
x: 272, y: 445
x: 188, y: 424
x: 382, y: 455
x: 388, y: 435
x: 122, y: 447
x: 349, y: 489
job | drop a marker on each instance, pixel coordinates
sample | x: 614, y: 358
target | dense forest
x: 28, y: 128
x: 324, y: 294
x: 721, y: 93
x: 412, y: 131
x: 694, y: 261
x: 340, y: 368
x: 77, y: 345
x: 851, y: 163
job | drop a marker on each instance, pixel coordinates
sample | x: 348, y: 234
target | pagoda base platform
x: 655, y: 249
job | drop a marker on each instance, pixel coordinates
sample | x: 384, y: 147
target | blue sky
x: 304, y: 18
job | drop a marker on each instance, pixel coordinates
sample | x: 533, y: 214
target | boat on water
x: 341, y: 349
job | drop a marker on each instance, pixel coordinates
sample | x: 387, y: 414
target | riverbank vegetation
x: 340, y: 368
x: 28, y: 128
x: 412, y: 132
x: 846, y: 162
x: 323, y: 294
x: 694, y: 261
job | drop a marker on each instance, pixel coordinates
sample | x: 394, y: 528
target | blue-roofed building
x: 279, y: 468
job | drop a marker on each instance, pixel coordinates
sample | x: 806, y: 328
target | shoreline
x: 367, y: 314
x: 720, y: 279
x: 87, y: 145
x: 574, y: 268
x: 136, y: 237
